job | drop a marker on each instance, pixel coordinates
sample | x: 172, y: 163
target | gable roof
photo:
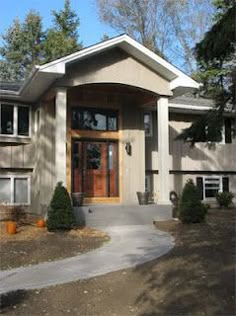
x: 43, y: 76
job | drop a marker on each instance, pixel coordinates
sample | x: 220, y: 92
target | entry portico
x: 120, y: 64
x: 92, y: 134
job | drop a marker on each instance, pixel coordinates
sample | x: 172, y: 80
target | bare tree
x: 137, y: 18
x: 189, y: 20
x: 171, y: 28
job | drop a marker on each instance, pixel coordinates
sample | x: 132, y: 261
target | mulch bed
x: 196, y: 278
x: 31, y: 245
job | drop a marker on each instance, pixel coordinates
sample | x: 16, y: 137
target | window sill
x: 14, y: 139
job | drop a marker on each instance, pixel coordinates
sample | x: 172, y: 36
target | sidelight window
x: 148, y: 124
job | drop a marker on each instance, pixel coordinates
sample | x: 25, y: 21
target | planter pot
x: 11, y: 228
x: 77, y: 198
x: 143, y: 197
x: 175, y: 212
x: 40, y: 223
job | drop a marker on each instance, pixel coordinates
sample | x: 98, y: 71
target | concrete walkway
x: 129, y: 246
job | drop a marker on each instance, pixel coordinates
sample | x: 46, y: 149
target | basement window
x: 15, y: 190
x: 209, y: 186
x: 212, y: 186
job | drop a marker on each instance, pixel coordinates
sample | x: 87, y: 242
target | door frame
x: 108, y: 198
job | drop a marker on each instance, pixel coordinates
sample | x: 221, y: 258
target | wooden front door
x: 95, y: 168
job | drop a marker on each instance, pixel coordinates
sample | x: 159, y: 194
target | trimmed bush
x: 191, y: 209
x: 224, y: 199
x: 60, y: 213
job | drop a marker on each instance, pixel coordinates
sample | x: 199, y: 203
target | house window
x: 210, y: 185
x: 23, y: 121
x: 5, y: 190
x: 14, y: 120
x: 148, y: 123
x: 15, y: 190
x: 94, y: 119
x: 7, y: 119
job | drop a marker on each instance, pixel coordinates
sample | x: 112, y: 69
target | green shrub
x: 191, y: 209
x: 60, y: 213
x: 224, y: 199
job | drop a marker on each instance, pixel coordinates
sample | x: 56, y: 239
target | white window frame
x: 151, y: 123
x: 15, y: 120
x: 222, y: 142
x: 12, y: 178
x: 220, y: 178
x: 37, y: 121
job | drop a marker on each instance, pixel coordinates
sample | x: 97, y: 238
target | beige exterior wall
x: 220, y: 157
x: 115, y: 66
x: 43, y: 179
x: 133, y: 166
x: 18, y: 154
x: 33, y: 156
x: 191, y: 162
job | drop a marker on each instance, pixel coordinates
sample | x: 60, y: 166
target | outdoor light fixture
x: 128, y: 148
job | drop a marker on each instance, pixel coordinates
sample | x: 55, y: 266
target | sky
x: 90, y: 31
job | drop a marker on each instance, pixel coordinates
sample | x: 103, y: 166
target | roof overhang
x: 42, y: 77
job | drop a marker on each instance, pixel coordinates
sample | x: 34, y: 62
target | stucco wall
x: 220, y: 157
x: 43, y: 179
x: 133, y: 166
x: 115, y: 66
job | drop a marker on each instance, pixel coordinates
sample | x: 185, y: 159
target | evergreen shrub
x: 224, y: 199
x: 191, y: 209
x: 60, y: 213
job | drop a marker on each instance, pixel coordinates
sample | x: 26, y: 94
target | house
x: 104, y: 121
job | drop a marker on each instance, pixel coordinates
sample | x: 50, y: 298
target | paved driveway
x: 130, y: 245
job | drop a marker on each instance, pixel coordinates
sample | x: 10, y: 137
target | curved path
x: 129, y: 246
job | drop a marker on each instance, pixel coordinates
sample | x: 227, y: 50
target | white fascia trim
x: 190, y: 107
x: 184, y: 81
x: 83, y: 53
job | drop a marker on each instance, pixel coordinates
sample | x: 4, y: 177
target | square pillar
x: 163, y: 150
x: 60, y: 135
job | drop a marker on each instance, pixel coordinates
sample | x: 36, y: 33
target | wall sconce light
x: 128, y: 148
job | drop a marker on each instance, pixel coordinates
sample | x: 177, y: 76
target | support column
x: 60, y: 135
x: 163, y: 150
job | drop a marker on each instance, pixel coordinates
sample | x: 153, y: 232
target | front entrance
x: 95, y: 168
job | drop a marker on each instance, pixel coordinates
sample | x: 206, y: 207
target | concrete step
x: 116, y: 215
